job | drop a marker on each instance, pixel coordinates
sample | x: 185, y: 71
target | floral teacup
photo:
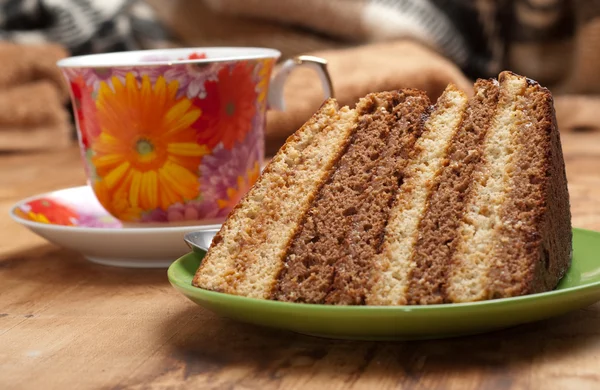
x: 175, y: 135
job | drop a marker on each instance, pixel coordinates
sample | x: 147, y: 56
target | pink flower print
x: 191, y: 77
x: 226, y: 175
x: 98, y: 221
x: 94, y: 76
x: 191, y: 211
x: 72, y: 73
x: 153, y: 72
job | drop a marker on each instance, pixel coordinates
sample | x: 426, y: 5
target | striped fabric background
x: 552, y: 41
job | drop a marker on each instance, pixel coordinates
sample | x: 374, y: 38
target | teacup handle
x: 275, y: 98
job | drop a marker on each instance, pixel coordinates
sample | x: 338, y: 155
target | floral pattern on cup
x: 171, y: 143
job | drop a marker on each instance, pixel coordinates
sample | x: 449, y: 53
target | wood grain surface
x: 68, y: 324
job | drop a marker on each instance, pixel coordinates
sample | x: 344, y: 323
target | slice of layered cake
x: 399, y: 202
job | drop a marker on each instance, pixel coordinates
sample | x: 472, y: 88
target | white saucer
x: 74, y: 219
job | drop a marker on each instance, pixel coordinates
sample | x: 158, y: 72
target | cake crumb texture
x: 245, y: 256
x: 329, y: 261
x: 393, y: 267
x: 397, y: 202
x: 437, y: 238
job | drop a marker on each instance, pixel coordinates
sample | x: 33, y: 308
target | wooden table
x: 66, y: 323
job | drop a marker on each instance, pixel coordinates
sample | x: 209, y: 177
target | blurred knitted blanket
x: 357, y: 71
x: 34, y: 109
x: 371, y: 45
x: 33, y: 114
x: 375, y: 45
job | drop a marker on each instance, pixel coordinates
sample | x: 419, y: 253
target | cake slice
x: 398, y: 202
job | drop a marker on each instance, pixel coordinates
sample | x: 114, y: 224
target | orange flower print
x: 244, y: 183
x: 146, y: 154
x: 48, y: 211
x: 264, y: 72
x: 116, y: 204
x: 228, y: 108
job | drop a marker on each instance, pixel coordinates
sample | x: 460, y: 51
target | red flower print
x: 194, y: 56
x: 197, y: 56
x: 85, y: 111
x: 228, y: 108
x: 48, y: 211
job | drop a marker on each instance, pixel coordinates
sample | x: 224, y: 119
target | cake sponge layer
x: 437, y: 238
x: 394, y: 265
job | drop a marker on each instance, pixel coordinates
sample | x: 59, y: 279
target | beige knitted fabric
x: 358, y: 71
x: 556, y: 44
x: 33, y: 98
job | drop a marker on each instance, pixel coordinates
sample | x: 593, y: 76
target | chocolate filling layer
x: 329, y: 259
x: 365, y: 236
x: 445, y: 206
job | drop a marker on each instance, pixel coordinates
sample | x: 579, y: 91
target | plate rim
x: 192, y: 291
x: 86, y: 229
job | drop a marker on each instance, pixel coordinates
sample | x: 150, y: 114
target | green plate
x: 578, y: 289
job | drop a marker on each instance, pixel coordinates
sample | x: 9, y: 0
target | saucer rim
x: 86, y: 229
